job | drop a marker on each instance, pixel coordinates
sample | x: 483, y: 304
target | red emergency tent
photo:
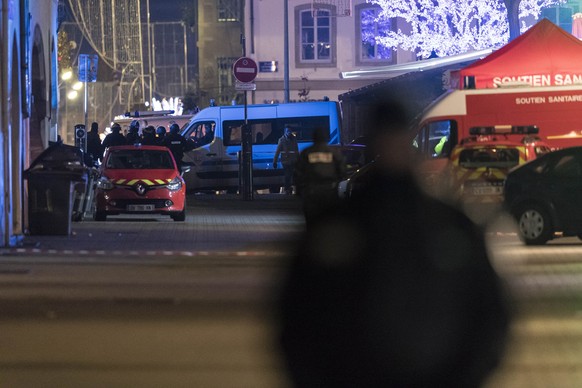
x: 544, y: 55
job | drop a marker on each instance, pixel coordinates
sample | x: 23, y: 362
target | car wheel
x: 535, y: 226
x: 99, y: 216
x: 180, y: 216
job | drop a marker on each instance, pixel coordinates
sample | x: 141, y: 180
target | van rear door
x: 263, y: 122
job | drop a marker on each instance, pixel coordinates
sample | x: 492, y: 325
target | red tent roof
x: 544, y: 55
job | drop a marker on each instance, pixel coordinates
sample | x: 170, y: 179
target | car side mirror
x: 184, y: 169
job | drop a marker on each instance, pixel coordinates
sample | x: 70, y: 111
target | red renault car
x: 136, y: 179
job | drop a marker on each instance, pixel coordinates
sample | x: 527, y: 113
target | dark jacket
x: 177, y: 145
x: 319, y: 166
x: 288, y: 149
x: 114, y: 139
x: 133, y: 138
x: 94, y: 147
x: 392, y: 289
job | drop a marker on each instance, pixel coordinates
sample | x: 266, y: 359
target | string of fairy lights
x: 450, y: 27
x: 114, y: 30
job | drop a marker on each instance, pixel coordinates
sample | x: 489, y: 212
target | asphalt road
x: 156, y: 303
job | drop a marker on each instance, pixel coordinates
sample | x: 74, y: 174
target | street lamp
x: 67, y: 74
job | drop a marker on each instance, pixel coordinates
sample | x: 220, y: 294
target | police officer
x: 160, y: 134
x: 177, y: 144
x: 289, y: 151
x: 133, y: 135
x: 115, y: 138
x: 317, y: 174
x: 149, y: 136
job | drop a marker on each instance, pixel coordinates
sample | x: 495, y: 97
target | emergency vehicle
x: 158, y: 118
x: 479, y: 164
x: 554, y: 110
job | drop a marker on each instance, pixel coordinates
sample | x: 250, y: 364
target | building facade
x: 28, y: 101
x: 323, y: 40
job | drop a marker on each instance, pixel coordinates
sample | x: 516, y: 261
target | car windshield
x: 140, y: 159
x: 489, y: 157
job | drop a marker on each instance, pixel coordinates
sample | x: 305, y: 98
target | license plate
x: 140, y: 208
x: 488, y: 190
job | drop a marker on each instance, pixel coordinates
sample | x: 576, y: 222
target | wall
x: 28, y: 52
x: 265, y: 42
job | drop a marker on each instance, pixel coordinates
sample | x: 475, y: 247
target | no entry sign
x: 245, y: 70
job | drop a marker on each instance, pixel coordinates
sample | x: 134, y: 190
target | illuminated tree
x: 448, y: 27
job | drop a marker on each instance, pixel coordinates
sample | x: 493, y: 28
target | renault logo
x: 141, y: 189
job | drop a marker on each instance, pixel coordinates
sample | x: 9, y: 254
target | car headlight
x: 175, y: 184
x: 104, y: 184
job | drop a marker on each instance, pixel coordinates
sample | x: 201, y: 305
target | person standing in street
x: 115, y: 138
x: 94, y: 146
x: 317, y: 174
x: 133, y: 136
x: 288, y: 149
x: 392, y: 288
x: 160, y: 134
x: 177, y: 144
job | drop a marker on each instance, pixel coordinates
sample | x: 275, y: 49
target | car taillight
x: 175, y: 184
x: 104, y: 184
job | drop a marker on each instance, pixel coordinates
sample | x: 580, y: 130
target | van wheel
x: 535, y: 226
x: 99, y: 216
x: 274, y: 189
x: 180, y: 216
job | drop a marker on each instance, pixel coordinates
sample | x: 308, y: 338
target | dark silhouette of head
x: 174, y: 128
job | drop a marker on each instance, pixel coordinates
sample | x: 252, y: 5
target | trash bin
x: 52, y: 181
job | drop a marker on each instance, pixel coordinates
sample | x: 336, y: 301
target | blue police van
x: 216, y: 132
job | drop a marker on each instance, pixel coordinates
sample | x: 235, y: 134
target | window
x: 201, y: 133
x: 229, y: 10
x: 568, y: 167
x: 560, y: 15
x: 436, y: 139
x: 315, y: 36
x: 268, y: 131
x: 369, y: 27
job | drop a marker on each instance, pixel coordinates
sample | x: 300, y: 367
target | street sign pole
x: 85, y: 104
x: 87, y: 73
x: 245, y: 71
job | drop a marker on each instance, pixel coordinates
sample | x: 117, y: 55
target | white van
x: 217, y: 132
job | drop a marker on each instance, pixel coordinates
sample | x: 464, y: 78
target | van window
x: 303, y: 127
x: 268, y: 131
x: 262, y: 130
x: 436, y: 139
x: 201, y: 133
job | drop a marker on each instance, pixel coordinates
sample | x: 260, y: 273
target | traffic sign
x: 88, y: 67
x: 245, y: 86
x: 245, y: 70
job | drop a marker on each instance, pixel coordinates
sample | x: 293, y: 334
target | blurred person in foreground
x: 317, y: 174
x: 393, y: 288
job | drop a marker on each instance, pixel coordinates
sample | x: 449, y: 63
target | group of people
x: 391, y: 287
x: 150, y: 135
